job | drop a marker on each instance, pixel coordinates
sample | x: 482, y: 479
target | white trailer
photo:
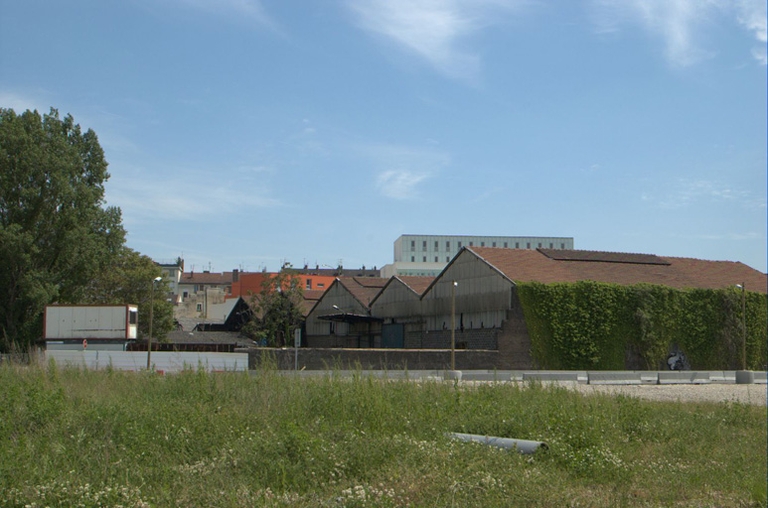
x: 72, y: 326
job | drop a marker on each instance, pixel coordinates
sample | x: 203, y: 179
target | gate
x: 392, y: 336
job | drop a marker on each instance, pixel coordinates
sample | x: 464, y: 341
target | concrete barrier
x: 575, y: 376
x: 608, y: 377
x: 722, y: 377
x: 488, y: 375
x: 673, y: 377
x: 761, y: 377
x: 745, y: 377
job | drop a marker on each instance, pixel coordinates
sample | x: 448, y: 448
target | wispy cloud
x: 676, y: 22
x: 752, y: 14
x: 145, y: 196
x: 400, y: 170
x: 681, y: 24
x: 399, y: 184
x: 434, y: 30
x: 684, y: 193
x: 20, y: 103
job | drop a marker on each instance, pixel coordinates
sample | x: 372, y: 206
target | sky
x: 249, y: 133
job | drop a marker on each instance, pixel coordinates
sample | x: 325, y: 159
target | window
x: 447, y: 246
x: 199, y: 307
x: 133, y: 317
x: 424, y: 259
x: 413, y: 245
x: 459, y: 245
x: 551, y: 245
x: 528, y: 245
x: 562, y: 246
x: 413, y: 259
x: 309, y: 284
x: 447, y: 259
x: 517, y: 245
x: 482, y: 244
x: 506, y: 245
x: 539, y: 245
x: 320, y: 285
x: 494, y: 244
x: 436, y: 246
x: 186, y: 294
x: 424, y: 245
x: 471, y: 244
x: 435, y: 259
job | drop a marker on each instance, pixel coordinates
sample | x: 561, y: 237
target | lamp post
x: 151, y: 313
x: 743, y: 288
x: 453, y: 325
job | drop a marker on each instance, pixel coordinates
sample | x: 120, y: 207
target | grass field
x: 107, y: 438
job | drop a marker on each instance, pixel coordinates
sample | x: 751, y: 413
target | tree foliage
x: 129, y: 279
x: 277, y: 309
x: 55, y: 232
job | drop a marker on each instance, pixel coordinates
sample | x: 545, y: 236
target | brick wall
x: 485, y: 338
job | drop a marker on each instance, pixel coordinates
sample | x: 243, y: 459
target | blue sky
x: 245, y: 133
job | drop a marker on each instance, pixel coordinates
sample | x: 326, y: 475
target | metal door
x: 392, y: 336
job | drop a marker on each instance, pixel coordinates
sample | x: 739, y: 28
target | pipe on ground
x: 523, y: 446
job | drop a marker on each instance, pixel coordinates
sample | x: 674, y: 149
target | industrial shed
x: 398, y: 304
x: 342, y: 317
x: 415, y: 313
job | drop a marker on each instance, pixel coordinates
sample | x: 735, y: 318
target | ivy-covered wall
x: 597, y: 326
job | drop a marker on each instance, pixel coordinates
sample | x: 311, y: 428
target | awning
x: 346, y: 317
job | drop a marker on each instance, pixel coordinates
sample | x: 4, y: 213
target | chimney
x: 235, y: 275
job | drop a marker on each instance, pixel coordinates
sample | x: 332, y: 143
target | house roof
x: 548, y: 266
x: 206, y: 278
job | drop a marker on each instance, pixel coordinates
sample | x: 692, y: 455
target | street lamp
x: 151, y: 312
x: 453, y: 325
x: 743, y: 288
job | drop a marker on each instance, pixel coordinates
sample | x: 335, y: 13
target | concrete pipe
x: 521, y: 445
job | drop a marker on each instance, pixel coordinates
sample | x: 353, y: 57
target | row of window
x: 472, y: 244
x: 482, y: 244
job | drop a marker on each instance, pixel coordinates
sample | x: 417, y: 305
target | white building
x: 427, y: 255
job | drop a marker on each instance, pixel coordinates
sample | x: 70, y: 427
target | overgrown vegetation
x: 277, y: 309
x: 108, y: 438
x: 592, y: 325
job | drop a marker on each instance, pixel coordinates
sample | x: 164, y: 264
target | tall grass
x: 107, y: 438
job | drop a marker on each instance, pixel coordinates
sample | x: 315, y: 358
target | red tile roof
x: 620, y: 268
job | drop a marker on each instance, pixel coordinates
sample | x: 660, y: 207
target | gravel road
x: 747, y: 394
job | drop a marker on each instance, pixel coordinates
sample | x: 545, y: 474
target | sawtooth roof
x: 364, y: 289
x: 418, y: 284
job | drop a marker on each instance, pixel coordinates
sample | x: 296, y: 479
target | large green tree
x: 130, y: 278
x: 55, y: 230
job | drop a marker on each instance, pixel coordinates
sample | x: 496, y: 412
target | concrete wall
x: 373, y: 359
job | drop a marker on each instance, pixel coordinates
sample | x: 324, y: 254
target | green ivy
x: 599, y: 326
